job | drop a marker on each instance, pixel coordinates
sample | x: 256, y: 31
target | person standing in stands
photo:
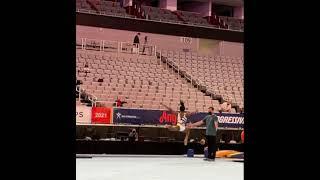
x: 119, y: 103
x: 136, y: 43
x: 145, y: 44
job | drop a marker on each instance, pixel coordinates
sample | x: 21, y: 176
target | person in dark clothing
x: 133, y: 135
x: 145, y: 43
x: 136, y: 39
x: 136, y: 42
x: 211, y: 121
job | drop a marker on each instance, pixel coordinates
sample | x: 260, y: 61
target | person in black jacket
x: 136, y: 42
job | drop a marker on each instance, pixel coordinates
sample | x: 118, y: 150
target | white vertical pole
x: 179, y: 67
x: 138, y: 52
x: 178, y: 72
x: 160, y: 58
x: 166, y: 63
x: 82, y: 43
x: 79, y: 93
x: 172, y: 67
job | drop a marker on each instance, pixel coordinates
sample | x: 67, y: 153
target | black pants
x: 143, y: 49
x: 212, y: 146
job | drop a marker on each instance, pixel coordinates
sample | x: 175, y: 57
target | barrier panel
x: 83, y: 114
x: 158, y: 117
x: 101, y: 115
x: 140, y: 116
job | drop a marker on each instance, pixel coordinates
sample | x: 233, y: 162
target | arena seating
x: 82, y: 4
x: 221, y: 75
x: 142, y: 81
x: 103, y: 7
x: 193, y: 18
x: 233, y: 23
x: 84, y: 98
x: 154, y: 13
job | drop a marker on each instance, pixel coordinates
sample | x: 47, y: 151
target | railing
x: 78, y: 89
x: 89, y: 11
x: 128, y: 17
x: 109, y: 46
x: 189, y: 13
x: 127, y: 47
x: 188, y: 76
x: 119, y: 47
x: 176, y: 67
x: 93, y: 99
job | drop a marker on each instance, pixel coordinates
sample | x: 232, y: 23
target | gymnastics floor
x: 155, y: 167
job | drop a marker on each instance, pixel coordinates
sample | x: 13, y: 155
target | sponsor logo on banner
x: 101, y: 115
x: 83, y: 114
x: 231, y: 120
x: 141, y: 116
x: 168, y: 118
x: 225, y: 120
x: 119, y: 116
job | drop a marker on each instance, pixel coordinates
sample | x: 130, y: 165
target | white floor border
x: 147, y: 156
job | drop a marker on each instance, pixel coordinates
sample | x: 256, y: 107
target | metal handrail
x: 189, y: 76
x: 93, y: 100
x: 91, y: 97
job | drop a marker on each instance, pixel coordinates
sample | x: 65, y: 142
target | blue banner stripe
x: 157, y: 117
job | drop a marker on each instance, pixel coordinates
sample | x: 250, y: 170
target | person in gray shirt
x: 211, y: 122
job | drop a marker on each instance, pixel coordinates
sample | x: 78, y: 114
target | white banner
x: 83, y: 114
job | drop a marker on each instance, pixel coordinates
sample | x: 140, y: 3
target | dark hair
x: 182, y: 107
x: 211, y: 108
x: 138, y: 33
